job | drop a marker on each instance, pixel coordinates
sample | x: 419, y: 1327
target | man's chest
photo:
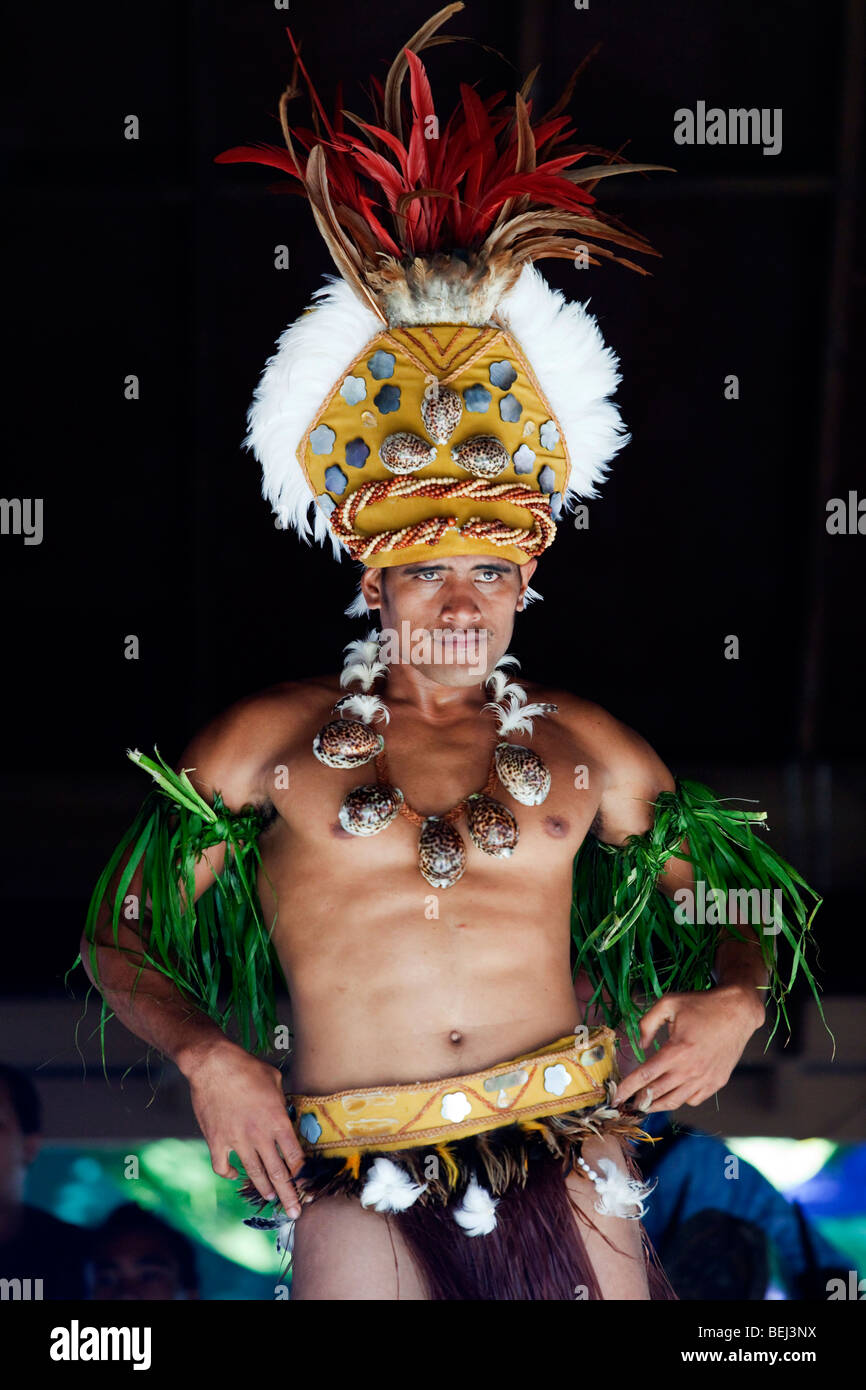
x: 441, y: 776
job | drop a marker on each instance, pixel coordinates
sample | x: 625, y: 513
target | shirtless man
x: 382, y: 994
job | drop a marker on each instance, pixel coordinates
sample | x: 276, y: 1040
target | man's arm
x: 708, y: 1030
x: 738, y: 964
x: 238, y: 1099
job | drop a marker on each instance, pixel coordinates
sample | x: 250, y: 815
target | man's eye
x: 429, y: 574
x: 488, y: 575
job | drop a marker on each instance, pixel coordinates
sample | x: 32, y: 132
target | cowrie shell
x: 405, y: 453
x: 483, y: 455
x: 441, y: 410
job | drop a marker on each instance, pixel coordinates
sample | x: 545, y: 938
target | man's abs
x: 394, y: 981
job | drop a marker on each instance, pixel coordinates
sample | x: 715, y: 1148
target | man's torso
x: 392, y: 980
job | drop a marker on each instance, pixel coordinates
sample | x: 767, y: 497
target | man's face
x: 134, y: 1266
x: 17, y: 1151
x: 458, y: 613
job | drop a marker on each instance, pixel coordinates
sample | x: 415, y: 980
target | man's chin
x: 457, y: 674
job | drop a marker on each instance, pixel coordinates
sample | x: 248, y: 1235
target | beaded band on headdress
x: 362, y: 547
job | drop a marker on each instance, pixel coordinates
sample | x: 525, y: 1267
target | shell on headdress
x: 347, y: 743
x: 483, y: 455
x: 405, y: 453
x: 491, y: 825
x: 441, y: 853
x: 441, y: 410
x: 522, y: 773
x: 369, y: 809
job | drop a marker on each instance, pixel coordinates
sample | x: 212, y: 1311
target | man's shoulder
x: 234, y: 752
x: 632, y: 773
x: 611, y: 740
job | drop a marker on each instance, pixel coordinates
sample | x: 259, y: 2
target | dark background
x: 145, y: 257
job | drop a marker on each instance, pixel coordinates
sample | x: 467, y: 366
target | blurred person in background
x: 700, y: 1204
x: 135, y: 1255
x: 34, y: 1245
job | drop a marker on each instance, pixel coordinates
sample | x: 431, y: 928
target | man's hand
x: 708, y: 1033
x: 239, y: 1104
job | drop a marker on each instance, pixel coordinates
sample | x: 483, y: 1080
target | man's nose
x: 460, y: 604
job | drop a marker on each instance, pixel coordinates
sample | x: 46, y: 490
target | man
x: 438, y: 409
x: 379, y: 991
x: 135, y: 1255
x: 40, y: 1256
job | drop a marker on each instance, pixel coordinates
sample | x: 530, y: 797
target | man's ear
x: 372, y: 587
x: 526, y: 573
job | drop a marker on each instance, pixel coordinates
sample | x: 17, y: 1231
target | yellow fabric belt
x: 569, y: 1074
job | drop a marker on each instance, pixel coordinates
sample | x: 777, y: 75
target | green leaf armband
x: 217, y: 951
x: 631, y: 939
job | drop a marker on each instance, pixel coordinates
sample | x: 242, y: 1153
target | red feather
x: 314, y: 96
x: 388, y: 243
x: 424, y: 110
x: 392, y: 142
x: 270, y: 155
x: 542, y: 188
x: 424, y: 195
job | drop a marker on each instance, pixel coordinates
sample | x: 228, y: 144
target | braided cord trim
x: 533, y: 539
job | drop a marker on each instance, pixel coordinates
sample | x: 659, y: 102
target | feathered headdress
x: 440, y: 397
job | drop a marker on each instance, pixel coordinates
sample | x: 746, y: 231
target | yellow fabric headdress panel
x: 484, y: 472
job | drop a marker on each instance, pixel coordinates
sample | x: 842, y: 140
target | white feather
x: 618, y: 1192
x: 389, y: 1188
x: 361, y: 662
x: 505, y: 689
x: 362, y: 649
x: 285, y: 1236
x: 477, y: 1212
x: 576, y: 372
x: 364, y: 707
x: 499, y: 681
x: 518, y: 717
x: 363, y: 673
x: 507, y: 660
x: 512, y: 719
x: 358, y: 606
x: 312, y: 354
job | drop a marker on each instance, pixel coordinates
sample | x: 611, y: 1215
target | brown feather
x: 524, y: 163
x: 288, y: 95
x: 568, y: 90
x: 528, y: 81
x: 603, y: 171
x: 563, y: 249
x: 529, y: 224
x: 363, y: 126
x: 540, y: 220
x: 320, y: 196
x: 364, y: 238
x: 345, y: 255
x: 397, y: 71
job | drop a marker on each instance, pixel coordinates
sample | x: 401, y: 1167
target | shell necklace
x: 350, y: 741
